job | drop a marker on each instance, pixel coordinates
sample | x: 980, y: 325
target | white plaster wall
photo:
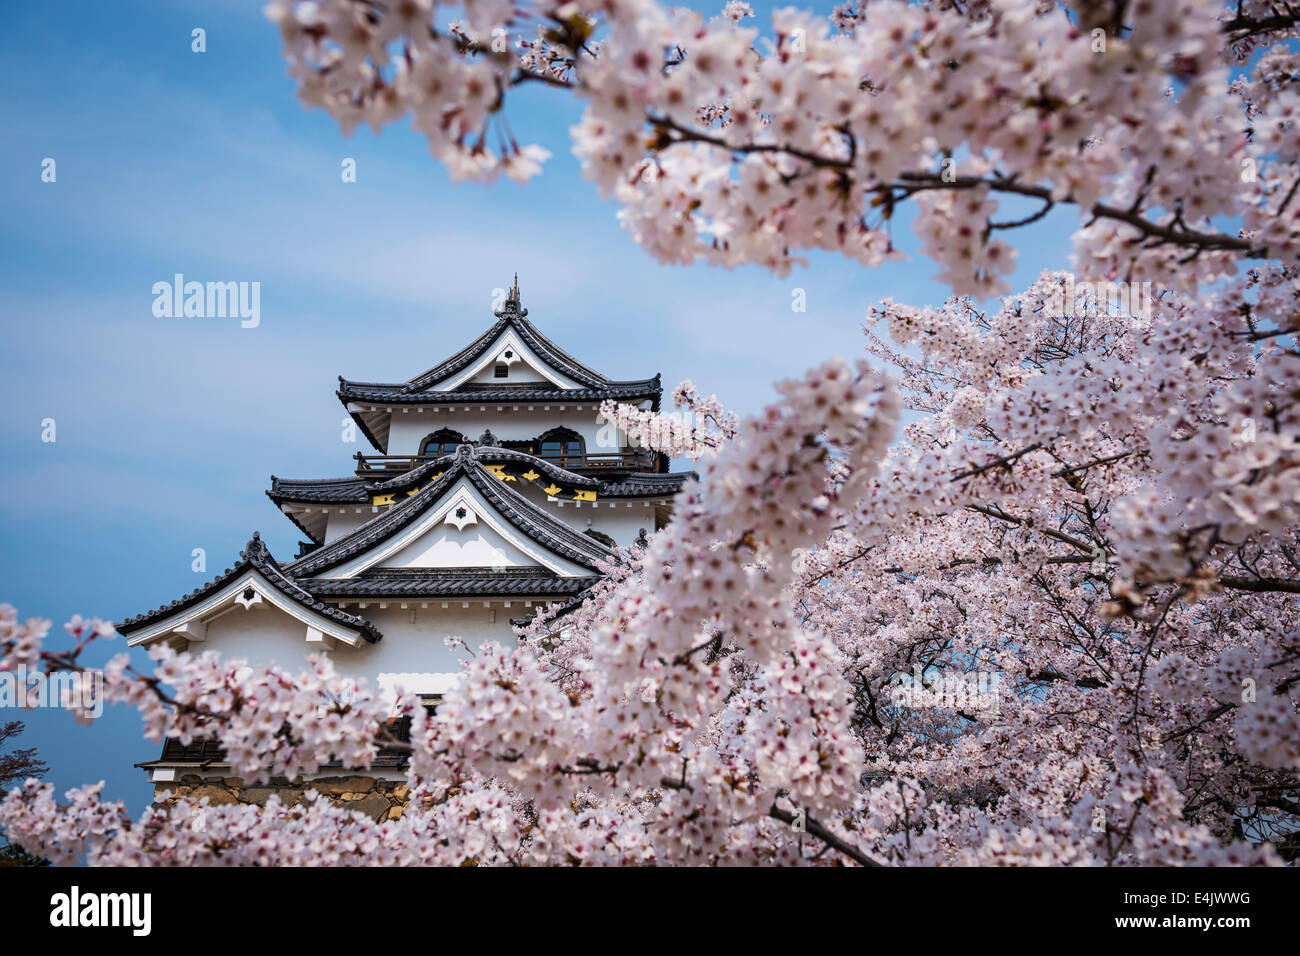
x: 522, y: 356
x: 475, y: 546
x: 619, y: 518
x: 519, y: 372
x: 621, y: 524
x: 259, y: 635
x: 413, y: 638
x: 338, y: 524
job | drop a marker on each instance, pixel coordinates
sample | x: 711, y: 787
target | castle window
x: 442, y: 442
x: 562, y: 446
x: 502, y: 371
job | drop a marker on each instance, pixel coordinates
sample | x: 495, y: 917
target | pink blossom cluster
x: 697, y: 428
x: 742, y: 145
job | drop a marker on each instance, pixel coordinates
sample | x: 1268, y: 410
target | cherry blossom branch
x: 820, y: 832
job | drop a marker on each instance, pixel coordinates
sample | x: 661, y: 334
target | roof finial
x: 255, y: 548
x: 512, y: 305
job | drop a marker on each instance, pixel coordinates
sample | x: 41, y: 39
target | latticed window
x: 561, y: 445
x: 442, y: 442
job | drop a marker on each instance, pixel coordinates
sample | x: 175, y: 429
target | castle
x: 495, y: 491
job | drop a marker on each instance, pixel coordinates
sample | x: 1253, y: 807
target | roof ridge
x: 457, y: 360
x: 497, y: 487
x: 256, y: 556
x: 397, y: 394
x: 364, y: 487
x: 511, y: 315
x: 364, y: 536
x: 531, y: 331
x: 315, y: 481
x: 559, y: 537
x: 490, y: 453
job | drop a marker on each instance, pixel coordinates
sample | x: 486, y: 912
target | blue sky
x: 168, y: 429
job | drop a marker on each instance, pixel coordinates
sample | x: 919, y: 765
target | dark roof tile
x: 360, y: 490
x: 254, y: 556
x: 532, y: 520
x: 455, y: 582
x: 397, y: 394
x: 512, y: 316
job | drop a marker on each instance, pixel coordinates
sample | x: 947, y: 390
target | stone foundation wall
x: 377, y: 799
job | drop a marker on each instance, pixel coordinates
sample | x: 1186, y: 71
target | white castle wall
x: 346, y: 520
x: 519, y: 372
x: 621, y: 519
x: 412, y: 643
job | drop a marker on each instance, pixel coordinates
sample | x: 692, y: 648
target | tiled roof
x: 527, y: 517
x: 361, y: 490
x: 515, y: 317
x: 593, y: 385
x: 398, y: 394
x: 642, y: 484
x: 320, y: 489
x: 254, y: 556
x: 560, y: 609
x: 490, y: 455
x: 454, y: 582
x: 207, y: 751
